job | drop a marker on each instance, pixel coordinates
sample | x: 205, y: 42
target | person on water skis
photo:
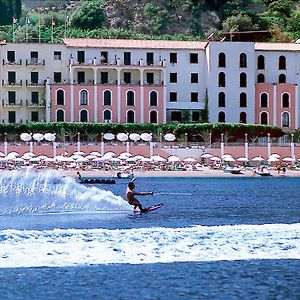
x: 130, y: 196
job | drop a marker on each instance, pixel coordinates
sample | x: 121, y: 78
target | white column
x: 269, y: 146
x: 71, y: 95
x: 296, y: 106
x: 165, y: 97
x: 31, y: 147
x: 222, y: 144
x: 142, y: 112
x: 102, y: 148
x: 274, y: 105
x: 5, y: 148
x: 119, y: 96
x: 127, y: 146
x: 292, y: 147
x: 48, y: 101
x: 78, y: 141
x: 151, y: 147
x: 246, y: 146
x: 95, y: 97
x: 54, y: 149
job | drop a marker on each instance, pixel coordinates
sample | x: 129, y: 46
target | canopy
x: 173, y: 158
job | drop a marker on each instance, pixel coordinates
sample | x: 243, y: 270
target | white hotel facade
x: 92, y: 80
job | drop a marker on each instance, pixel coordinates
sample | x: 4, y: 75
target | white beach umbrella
x: 122, y: 137
x: 50, y: 137
x: 139, y: 157
x: 95, y: 153
x: 135, y: 137
x: 242, y: 159
x: 226, y: 156
x: 288, y: 159
x: 109, y: 155
x: 215, y: 158
x: 78, y: 153
x: 81, y: 159
x: 42, y: 157
x: 189, y: 159
x: 31, y: 154
x: 258, y: 158
x: 59, y: 158
x: 12, y: 155
x: 157, y: 158
x: 115, y: 160
x: 229, y: 158
x: 131, y: 159
x: 49, y: 159
x: 97, y: 159
x: 275, y: 155
x: 273, y: 159
x: 38, y: 137
x: 18, y: 159
x: 147, y: 137
x: 146, y: 159
x: 35, y: 159
x: 173, y: 158
x: 3, y: 159
x: 108, y: 136
x: 206, y: 155
x: 126, y: 154
x: 2, y: 154
x: 170, y: 137
x: 90, y: 157
x: 25, y: 137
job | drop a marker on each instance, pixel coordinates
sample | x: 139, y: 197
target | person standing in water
x: 130, y: 196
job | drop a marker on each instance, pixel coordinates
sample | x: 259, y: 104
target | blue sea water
x: 215, y: 238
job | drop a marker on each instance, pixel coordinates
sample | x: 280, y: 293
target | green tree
x: 239, y: 23
x: 89, y: 15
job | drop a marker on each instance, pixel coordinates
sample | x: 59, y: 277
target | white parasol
x: 122, y: 137
x: 108, y: 136
x: 147, y: 137
x: 50, y: 137
x: 170, y: 137
x: 25, y: 137
x: 38, y: 137
x: 135, y: 137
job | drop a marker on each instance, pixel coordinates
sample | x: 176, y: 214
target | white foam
x: 148, y: 245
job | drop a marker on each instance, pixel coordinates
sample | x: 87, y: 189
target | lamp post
x: 185, y: 139
x: 31, y: 145
x: 269, y: 145
x: 292, y: 147
x: 78, y: 141
x: 5, y: 143
x: 222, y: 144
x: 246, y: 146
x: 102, y: 144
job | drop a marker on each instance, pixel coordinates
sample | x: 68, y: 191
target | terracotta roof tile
x: 134, y: 44
x: 277, y: 47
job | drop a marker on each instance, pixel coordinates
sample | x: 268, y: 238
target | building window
x: 282, y: 78
x: 57, y: 77
x: 150, y: 58
x: 80, y: 57
x: 104, y: 77
x: 35, y: 77
x: 243, y: 80
x: 60, y: 97
x: 260, y: 62
x: 107, y: 98
x: 194, y: 97
x: 34, y: 116
x: 81, y: 77
x: 175, y: 116
x: 195, y: 116
x: 11, y: 117
x: 282, y: 63
x: 243, y: 100
x: 35, y: 97
x: 11, y: 97
x: 173, y: 58
x: 153, y: 98
x: 173, y: 77
x: 127, y: 58
x: 57, y: 55
x: 130, y: 116
x: 260, y: 78
x: 264, y: 118
x: 285, y: 100
x: 173, y: 97
x: 285, y: 121
x: 34, y: 57
x: 243, y: 60
x: 130, y: 98
x: 60, y: 116
x: 150, y: 78
x: 83, y: 97
x: 264, y: 100
x: 194, y: 78
x: 11, y: 56
x: 222, y: 60
x: 84, y: 116
x: 11, y: 77
x: 221, y: 99
x: 107, y: 115
x: 222, y: 82
x: 127, y: 77
x: 193, y: 58
x: 153, y: 116
x: 103, y: 57
x: 243, y: 117
x: 221, y: 117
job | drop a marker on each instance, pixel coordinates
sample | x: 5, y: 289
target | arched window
x: 222, y: 60
x: 222, y: 82
x: 285, y: 119
x: 107, y: 98
x: 60, y: 97
x: 243, y: 100
x: 282, y: 78
x: 130, y: 116
x: 84, y: 116
x: 260, y: 78
x: 221, y: 99
x: 60, y: 116
x: 282, y: 62
x: 153, y: 116
x: 153, y: 98
x: 107, y: 115
x: 264, y: 100
x: 243, y: 60
x: 243, y: 117
x: 130, y: 98
x: 221, y: 117
x: 260, y: 62
x: 264, y: 118
x: 286, y: 100
x: 83, y: 97
x: 243, y: 80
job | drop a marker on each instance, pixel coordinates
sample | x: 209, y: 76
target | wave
x: 71, y: 247
x: 48, y: 191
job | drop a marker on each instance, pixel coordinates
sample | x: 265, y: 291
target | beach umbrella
x: 170, y: 137
x: 190, y: 159
x: 206, y: 155
x: 131, y: 159
x: 273, y: 159
x: 127, y: 154
x: 157, y: 158
x: 226, y: 156
x: 2, y: 154
x: 108, y: 136
x: 35, y: 159
x: 78, y: 153
x: 18, y: 159
x: 229, y: 159
x: 243, y: 159
x: 97, y: 159
x: 147, y: 137
x: 139, y: 157
x: 95, y: 153
x: 288, y: 159
x: 258, y: 158
x: 135, y: 137
x: 50, y: 137
x: 115, y: 160
x: 146, y: 159
x: 122, y: 137
x: 38, y: 137
x: 81, y: 159
x: 25, y: 137
x: 42, y: 157
x: 12, y: 155
x: 173, y: 158
x: 31, y: 154
x: 90, y: 157
x: 109, y: 155
x: 215, y: 158
x: 49, y: 159
x: 275, y: 155
x: 59, y: 158
x: 2, y: 159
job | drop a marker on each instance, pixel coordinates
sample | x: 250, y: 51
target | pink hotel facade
x: 91, y: 80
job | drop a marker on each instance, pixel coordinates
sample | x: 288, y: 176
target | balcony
x: 35, y: 62
x: 6, y: 62
x: 40, y: 83
x: 11, y: 83
x: 11, y: 103
x: 40, y: 103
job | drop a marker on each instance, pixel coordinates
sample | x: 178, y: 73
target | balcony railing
x: 12, y: 103
x: 35, y: 62
x: 40, y: 103
x: 40, y: 83
x: 12, y: 62
x: 11, y: 83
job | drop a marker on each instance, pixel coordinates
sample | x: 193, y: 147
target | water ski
x: 152, y: 208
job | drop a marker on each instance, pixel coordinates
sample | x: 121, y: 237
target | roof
x: 134, y: 44
x: 277, y: 47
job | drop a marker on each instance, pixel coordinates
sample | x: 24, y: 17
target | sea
x: 214, y: 238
